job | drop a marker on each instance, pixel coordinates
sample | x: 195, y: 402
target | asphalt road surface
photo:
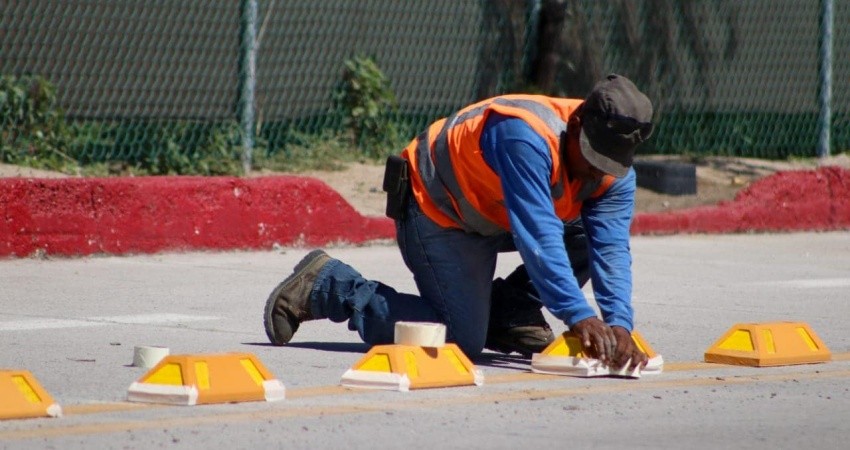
x: 73, y: 323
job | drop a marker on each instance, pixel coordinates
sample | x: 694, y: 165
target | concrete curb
x: 808, y: 200
x: 83, y: 216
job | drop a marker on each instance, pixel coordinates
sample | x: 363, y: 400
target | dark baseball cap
x: 615, y: 118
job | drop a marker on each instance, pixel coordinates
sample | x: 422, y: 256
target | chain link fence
x: 180, y: 86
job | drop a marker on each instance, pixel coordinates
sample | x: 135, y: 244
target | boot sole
x: 275, y: 336
x: 508, y: 346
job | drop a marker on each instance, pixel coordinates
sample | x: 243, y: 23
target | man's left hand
x: 627, y: 351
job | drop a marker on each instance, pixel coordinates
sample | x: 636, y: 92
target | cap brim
x: 599, y: 160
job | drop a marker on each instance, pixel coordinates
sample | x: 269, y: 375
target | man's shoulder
x: 626, y: 185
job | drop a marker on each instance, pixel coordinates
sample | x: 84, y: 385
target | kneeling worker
x: 548, y: 177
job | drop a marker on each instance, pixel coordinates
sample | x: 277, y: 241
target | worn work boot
x: 289, y: 303
x: 516, y: 321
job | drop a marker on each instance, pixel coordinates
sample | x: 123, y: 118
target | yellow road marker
x: 420, y: 358
x: 403, y: 367
x: 768, y: 344
x: 23, y: 397
x: 200, y: 379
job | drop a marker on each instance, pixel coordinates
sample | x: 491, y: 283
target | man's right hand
x: 597, y: 338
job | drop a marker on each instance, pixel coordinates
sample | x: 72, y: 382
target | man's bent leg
x: 371, y: 307
x: 516, y: 319
x: 453, y: 271
x: 322, y: 287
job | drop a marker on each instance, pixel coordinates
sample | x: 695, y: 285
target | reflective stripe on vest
x: 439, y: 178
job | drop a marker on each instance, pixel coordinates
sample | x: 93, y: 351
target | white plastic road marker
x: 421, y: 334
x: 566, y: 356
x: 590, y: 367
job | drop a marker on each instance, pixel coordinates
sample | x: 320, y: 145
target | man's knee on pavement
x: 471, y: 346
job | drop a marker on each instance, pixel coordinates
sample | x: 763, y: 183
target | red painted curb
x: 810, y: 200
x: 83, y: 216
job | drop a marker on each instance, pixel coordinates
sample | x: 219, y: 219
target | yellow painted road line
x: 408, y: 404
x: 319, y: 391
x: 96, y: 408
x: 307, y: 392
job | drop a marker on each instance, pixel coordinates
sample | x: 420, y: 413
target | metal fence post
x: 248, y: 79
x: 825, y: 120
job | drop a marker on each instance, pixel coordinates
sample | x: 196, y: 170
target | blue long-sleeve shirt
x: 521, y: 158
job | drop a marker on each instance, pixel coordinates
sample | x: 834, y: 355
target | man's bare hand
x: 597, y: 338
x: 627, y: 351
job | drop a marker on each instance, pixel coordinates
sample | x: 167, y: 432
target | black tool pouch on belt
x: 396, y: 185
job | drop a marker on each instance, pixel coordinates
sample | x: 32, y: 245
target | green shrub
x: 156, y: 148
x: 34, y: 132
x: 368, y: 106
x: 364, y: 125
x: 173, y: 147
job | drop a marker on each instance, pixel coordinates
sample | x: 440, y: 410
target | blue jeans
x: 453, y: 271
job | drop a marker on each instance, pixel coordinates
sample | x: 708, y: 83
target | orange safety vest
x: 456, y: 188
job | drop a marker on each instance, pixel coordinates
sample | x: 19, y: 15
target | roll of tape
x: 147, y: 357
x: 422, y: 334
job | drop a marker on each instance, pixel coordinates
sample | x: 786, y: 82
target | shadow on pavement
x: 515, y: 362
x: 346, y: 347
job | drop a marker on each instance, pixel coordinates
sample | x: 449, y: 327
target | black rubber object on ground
x: 671, y: 178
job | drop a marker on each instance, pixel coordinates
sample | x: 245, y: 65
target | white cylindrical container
x: 148, y: 356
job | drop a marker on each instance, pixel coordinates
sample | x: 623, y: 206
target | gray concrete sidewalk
x: 73, y: 323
